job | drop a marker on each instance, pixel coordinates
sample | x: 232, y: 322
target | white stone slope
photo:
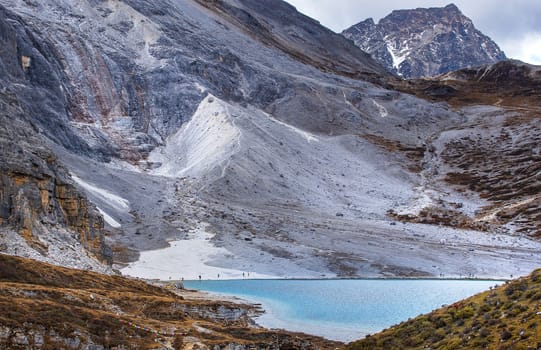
x: 209, y: 139
x: 328, y: 197
x: 62, y: 248
x: 188, y: 259
x: 285, y: 178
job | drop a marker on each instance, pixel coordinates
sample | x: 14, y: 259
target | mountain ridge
x: 424, y: 41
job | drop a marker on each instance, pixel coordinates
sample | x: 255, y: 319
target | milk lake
x: 343, y: 309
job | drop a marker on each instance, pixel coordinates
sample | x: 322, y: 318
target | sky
x: 515, y: 25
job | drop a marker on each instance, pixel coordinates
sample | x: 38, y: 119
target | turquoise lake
x: 343, y: 310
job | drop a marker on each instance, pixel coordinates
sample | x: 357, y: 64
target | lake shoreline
x: 341, y: 309
x: 495, y: 279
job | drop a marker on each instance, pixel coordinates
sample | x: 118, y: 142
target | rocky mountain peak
x: 425, y: 41
x: 451, y: 7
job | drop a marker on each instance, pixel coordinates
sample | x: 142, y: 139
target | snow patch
x: 114, y: 200
x: 208, y: 140
x: 186, y: 259
x: 109, y: 219
x: 308, y: 136
x: 397, y: 57
x: 382, y: 110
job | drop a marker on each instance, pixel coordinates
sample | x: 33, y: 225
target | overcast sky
x: 515, y: 25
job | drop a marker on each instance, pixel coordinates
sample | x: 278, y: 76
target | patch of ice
x: 186, y: 259
x: 114, y: 200
x: 109, y: 219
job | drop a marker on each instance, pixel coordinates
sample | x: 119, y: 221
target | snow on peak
x: 397, y: 57
x: 425, y: 41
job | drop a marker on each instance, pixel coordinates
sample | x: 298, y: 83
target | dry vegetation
x: 504, y: 318
x: 503, y: 166
x: 507, y: 83
x: 505, y: 170
x: 49, y: 307
x: 414, y: 154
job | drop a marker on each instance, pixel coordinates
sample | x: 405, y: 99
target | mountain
x: 247, y: 127
x: 296, y: 152
x: 506, y: 317
x: 424, y: 42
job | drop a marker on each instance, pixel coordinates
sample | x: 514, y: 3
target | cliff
x: 37, y: 194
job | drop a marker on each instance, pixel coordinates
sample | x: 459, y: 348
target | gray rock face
x: 262, y: 124
x: 36, y: 192
x: 424, y: 42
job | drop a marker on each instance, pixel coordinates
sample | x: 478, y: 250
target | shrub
x: 465, y: 313
x: 485, y: 308
x: 506, y: 335
x: 438, y: 335
x: 483, y: 332
x: 515, y: 289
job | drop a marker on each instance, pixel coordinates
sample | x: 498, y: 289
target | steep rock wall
x: 36, y: 192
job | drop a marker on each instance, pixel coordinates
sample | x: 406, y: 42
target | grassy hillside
x: 507, y: 317
x: 49, y: 307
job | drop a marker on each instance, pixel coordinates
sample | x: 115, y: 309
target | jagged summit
x: 425, y: 41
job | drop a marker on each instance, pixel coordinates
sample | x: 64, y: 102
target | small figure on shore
x: 200, y: 277
x: 218, y: 275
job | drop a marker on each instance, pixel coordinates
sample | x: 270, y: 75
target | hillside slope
x: 495, y: 155
x: 49, y: 307
x: 506, y: 317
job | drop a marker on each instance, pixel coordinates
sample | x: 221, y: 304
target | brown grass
x: 505, y: 318
x: 61, y: 304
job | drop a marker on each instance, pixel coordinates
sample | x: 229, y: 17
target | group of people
x: 244, y: 275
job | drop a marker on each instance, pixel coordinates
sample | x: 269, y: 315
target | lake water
x: 343, y: 310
